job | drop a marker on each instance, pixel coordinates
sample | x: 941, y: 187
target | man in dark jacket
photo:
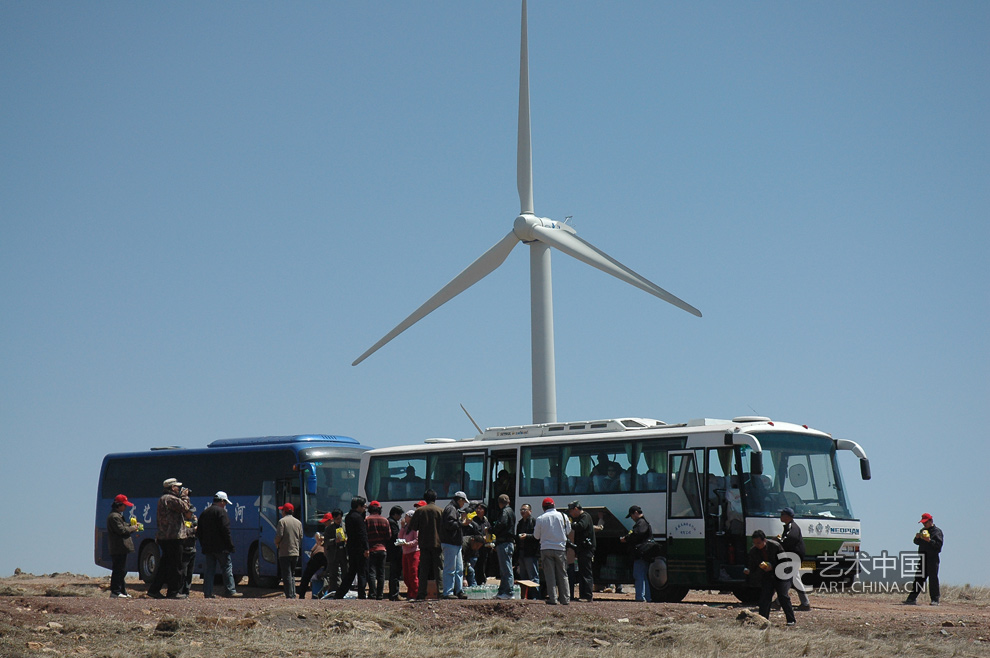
x: 585, y: 545
x: 451, y: 542
x: 929, y: 542
x: 793, y: 542
x: 504, y: 529
x: 215, y: 542
x: 394, y: 553
x: 529, y: 548
x: 761, y: 567
x: 121, y: 544
x: 358, y: 549
x: 426, y: 521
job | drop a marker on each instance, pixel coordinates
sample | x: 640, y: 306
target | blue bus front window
x: 336, y: 484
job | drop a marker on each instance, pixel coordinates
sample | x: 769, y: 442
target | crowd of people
x: 451, y: 547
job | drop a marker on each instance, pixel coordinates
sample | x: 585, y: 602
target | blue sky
x: 207, y: 212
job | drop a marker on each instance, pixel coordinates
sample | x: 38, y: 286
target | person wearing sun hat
x: 171, y: 519
x: 121, y: 545
x: 929, y: 541
x: 451, y: 540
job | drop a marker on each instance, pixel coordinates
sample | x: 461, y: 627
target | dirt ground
x: 66, y: 613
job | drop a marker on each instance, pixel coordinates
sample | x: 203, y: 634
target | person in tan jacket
x: 288, y: 539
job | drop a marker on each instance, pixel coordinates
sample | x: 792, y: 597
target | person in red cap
x: 121, y: 544
x: 929, y: 541
x: 288, y: 539
x: 551, y: 530
x: 379, y: 536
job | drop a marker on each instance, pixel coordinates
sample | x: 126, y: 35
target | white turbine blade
x: 585, y: 252
x: 524, y: 152
x: 473, y: 273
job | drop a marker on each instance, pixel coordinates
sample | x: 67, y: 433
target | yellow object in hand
x: 133, y: 521
x: 765, y: 566
x: 926, y: 534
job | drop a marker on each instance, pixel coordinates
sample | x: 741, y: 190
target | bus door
x: 724, y: 527
x: 274, y: 494
x: 685, y: 520
x: 502, y: 475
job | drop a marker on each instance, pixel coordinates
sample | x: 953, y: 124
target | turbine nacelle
x: 526, y: 225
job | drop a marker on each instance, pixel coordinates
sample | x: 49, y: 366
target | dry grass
x: 33, y: 623
x: 477, y: 630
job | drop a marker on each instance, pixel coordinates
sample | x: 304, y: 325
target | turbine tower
x: 540, y: 234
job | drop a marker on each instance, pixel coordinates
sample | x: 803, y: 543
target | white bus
x: 705, y: 486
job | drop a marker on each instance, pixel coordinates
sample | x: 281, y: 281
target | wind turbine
x: 540, y: 234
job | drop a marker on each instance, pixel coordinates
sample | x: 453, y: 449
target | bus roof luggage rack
x: 580, y: 427
x: 273, y: 440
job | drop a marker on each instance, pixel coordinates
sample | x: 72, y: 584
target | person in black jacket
x: 121, y: 544
x: 451, y: 542
x: 761, y: 567
x: 529, y: 548
x: 504, y: 529
x: 394, y: 553
x: 213, y: 533
x: 929, y: 542
x: 358, y: 549
x: 585, y: 545
x: 793, y: 542
x: 641, y: 533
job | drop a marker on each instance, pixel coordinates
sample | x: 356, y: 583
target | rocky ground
x: 71, y: 614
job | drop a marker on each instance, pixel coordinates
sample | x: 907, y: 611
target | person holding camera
x: 172, y: 508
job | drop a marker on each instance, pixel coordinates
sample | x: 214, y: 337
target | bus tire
x: 255, y: 579
x: 668, y: 594
x: 148, y: 560
x: 749, y: 595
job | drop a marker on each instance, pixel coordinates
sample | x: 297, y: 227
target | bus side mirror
x: 864, y: 468
x: 756, y: 463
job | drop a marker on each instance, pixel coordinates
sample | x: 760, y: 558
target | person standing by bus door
x: 793, y: 542
x: 121, y: 544
x: 288, y: 539
x: 172, y: 507
x: 641, y: 533
x: 357, y: 549
x: 451, y: 543
x: 929, y: 542
x: 504, y: 529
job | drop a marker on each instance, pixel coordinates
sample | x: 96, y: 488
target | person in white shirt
x: 551, y: 531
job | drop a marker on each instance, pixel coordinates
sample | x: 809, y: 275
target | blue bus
x: 316, y: 473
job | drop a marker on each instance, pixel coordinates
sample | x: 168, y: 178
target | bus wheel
x: 255, y: 579
x: 669, y: 594
x: 747, y: 594
x: 148, y: 561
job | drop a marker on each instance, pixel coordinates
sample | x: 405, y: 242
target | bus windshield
x: 336, y: 484
x: 800, y: 472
